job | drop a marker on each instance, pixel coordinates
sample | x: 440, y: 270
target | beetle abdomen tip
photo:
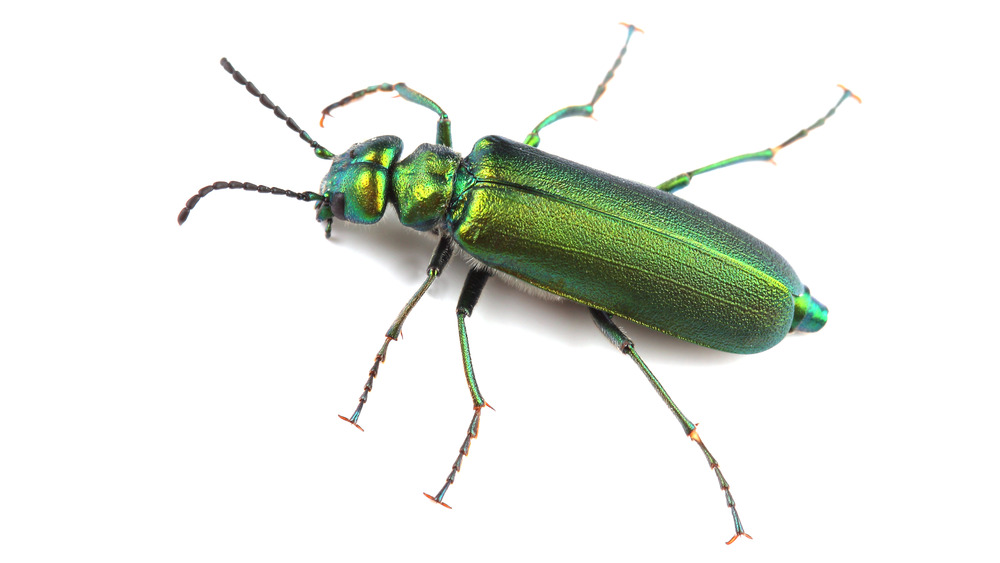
x: 810, y: 314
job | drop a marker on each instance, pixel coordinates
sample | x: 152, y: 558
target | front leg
x: 438, y: 261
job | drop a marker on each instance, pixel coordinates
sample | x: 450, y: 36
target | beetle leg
x: 682, y: 180
x: 473, y: 287
x: 623, y: 343
x: 585, y: 110
x: 444, y: 123
x: 438, y: 261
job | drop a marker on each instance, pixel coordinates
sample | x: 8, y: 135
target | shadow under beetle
x: 620, y: 248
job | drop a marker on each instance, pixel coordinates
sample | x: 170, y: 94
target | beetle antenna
x: 303, y: 196
x: 317, y: 148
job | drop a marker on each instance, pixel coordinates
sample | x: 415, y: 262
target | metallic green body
x: 618, y: 246
x: 621, y: 247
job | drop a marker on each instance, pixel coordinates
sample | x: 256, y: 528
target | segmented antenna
x: 317, y: 148
x: 303, y: 196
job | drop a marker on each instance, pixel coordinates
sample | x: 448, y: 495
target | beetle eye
x: 337, y: 205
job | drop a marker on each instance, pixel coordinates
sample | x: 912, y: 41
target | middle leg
x: 474, y: 284
x: 438, y: 261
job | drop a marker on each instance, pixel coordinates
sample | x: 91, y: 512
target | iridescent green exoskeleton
x: 620, y: 248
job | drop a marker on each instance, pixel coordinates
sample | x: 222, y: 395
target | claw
x: 738, y: 534
x: 851, y: 94
x: 351, y: 422
x: 442, y: 503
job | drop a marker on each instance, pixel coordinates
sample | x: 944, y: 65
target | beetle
x: 618, y: 247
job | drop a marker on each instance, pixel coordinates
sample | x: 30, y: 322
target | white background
x: 170, y: 394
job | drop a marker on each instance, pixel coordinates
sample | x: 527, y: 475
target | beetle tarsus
x: 372, y: 373
x: 713, y: 464
x: 736, y: 522
x: 471, y: 433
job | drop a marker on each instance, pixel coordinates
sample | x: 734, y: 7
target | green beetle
x: 620, y: 248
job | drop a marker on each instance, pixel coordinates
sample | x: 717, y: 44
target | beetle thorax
x: 422, y: 185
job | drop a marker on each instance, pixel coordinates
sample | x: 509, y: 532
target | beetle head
x: 356, y: 187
